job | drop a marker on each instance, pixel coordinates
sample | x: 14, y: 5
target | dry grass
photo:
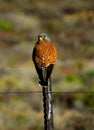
x: 70, y: 26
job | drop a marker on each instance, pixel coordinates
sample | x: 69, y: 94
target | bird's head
x: 43, y: 37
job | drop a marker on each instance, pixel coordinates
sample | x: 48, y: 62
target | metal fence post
x: 47, y: 104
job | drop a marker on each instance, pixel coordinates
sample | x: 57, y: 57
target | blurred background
x: 70, y: 25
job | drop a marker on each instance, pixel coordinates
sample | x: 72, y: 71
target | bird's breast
x: 45, y: 54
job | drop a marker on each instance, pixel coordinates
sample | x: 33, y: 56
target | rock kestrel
x: 44, y: 56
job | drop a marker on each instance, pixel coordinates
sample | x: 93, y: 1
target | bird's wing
x: 44, y: 72
x: 34, y: 54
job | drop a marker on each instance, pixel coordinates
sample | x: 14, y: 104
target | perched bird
x: 44, y: 56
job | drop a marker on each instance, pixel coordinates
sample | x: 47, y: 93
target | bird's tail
x: 44, y: 71
x: 44, y: 74
x: 44, y: 81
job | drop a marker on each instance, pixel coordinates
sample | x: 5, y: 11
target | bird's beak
x: 41, y: 38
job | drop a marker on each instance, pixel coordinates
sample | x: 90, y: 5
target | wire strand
x: 36, y: 92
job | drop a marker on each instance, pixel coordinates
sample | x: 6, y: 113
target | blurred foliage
x: 70, y: 24
x: 6, y: 25
x: 71, y: 77
x: 89, y: 99
x: 87, y: 77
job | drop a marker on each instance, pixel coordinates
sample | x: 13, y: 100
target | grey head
x: 43, y: 37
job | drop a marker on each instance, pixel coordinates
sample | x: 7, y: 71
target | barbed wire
x: 36, y: 92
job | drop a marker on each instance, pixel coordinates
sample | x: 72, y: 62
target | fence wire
x: 36, y: 92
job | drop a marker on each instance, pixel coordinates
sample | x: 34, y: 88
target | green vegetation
x: 6, y: 25
x: 71, y: 77
x: 69, y: 24
x: 87, y: 77
x: 89, y: 99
